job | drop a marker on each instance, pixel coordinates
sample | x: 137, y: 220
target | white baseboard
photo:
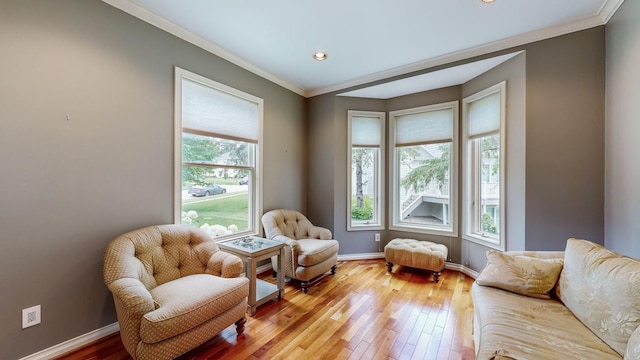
x: 461, y: 268
x: 74, y: 343
x: 363, y: 256
x: 94, y: 335
x: 380, y: 255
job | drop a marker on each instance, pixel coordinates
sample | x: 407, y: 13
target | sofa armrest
x: 317, y: 232
x: 225, y: 265
x: 133, y: 295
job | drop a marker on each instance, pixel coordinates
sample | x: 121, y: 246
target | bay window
x: 483, y: 132
x: 366, y: 161
x: 424, y: 158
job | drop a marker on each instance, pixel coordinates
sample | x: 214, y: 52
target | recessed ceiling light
x: 487, y: 1
x: 320, y: 56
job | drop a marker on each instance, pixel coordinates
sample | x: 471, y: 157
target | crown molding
x: 180, y: 32
x: 608, y: 9
x: 605, y: 13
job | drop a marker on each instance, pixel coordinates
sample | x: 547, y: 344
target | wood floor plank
x: 361, y: 312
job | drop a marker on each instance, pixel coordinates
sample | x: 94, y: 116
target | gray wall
x: 70, y: 186
x: 622, y: 169
x: 565, y: 140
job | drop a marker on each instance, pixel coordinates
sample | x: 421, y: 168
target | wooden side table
x: 253, y: 250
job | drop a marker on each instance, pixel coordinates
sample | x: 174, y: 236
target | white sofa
x: 583, y: 303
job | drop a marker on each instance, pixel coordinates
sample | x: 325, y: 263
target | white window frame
x: 376, y: 224
x: 394, y: 209
x: 255, y: 182
x: 472, y: 177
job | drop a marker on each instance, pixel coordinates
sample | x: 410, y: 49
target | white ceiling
x: 367, y: 40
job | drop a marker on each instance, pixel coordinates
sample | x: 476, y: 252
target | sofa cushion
x: 602, y: 289
x: 633, y: 346
x: 524, y: 275
x: 523, y: 327
x: 189, y: 301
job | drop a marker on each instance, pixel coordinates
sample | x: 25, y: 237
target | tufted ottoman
x: 418, y: 254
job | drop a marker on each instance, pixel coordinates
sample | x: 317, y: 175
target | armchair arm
x: 317, y: 232
x: 292, y: 243
x: 224, y: 264
x: 134, y: 296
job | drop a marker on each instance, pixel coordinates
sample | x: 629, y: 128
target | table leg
x: 281, y: 274
x: 251, y: 274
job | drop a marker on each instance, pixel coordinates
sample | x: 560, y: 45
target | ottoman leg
x: 436, y: 276
x: 389, y: 266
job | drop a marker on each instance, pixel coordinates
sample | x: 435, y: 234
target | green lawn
x: 225, y: 210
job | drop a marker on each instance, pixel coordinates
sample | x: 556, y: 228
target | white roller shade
x: 366, y: 131
x: 484, y: 115
x: 424, y: 127
x: 219, y: 113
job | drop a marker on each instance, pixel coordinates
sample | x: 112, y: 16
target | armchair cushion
x: 189, y: 301
x: 313, y: 251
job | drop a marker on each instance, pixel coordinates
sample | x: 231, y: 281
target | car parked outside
x: 206, y: 190
x: 244, y: 181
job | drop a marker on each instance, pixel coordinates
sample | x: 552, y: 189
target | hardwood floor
x: 362, y: 312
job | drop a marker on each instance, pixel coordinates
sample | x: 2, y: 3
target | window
x: 217, y: 153
x: 483, y: 132
x: 424, y: 156
x: 366, y: 146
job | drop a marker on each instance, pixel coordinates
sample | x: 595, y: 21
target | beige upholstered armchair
x: 173, y: 289
x: 310, y: 250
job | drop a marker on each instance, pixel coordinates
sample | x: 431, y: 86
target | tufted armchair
x: 173, y: 289
x: 310, y: 250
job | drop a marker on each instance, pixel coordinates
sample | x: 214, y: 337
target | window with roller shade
x: 483, y: 131
x: 366, y: 161
x: 217, y: 155
x: 424, y: 157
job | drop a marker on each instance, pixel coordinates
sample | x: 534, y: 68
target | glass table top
x: 250, y: 243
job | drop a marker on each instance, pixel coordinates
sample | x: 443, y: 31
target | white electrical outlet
x: 376, y: 237
x: 30, y: 316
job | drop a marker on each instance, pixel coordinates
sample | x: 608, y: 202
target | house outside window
x: 217, y: 153
x: 424, y: 156
x: 366, y: 166
x: 483, y: 132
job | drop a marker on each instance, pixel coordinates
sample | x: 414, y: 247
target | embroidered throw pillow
x: 523, y: 275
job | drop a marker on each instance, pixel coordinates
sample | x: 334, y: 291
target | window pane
x: 364, y: 186
x: 214, y: 200
x: 424, y: 187
x: 211, y: 150
x: 490, y: 185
